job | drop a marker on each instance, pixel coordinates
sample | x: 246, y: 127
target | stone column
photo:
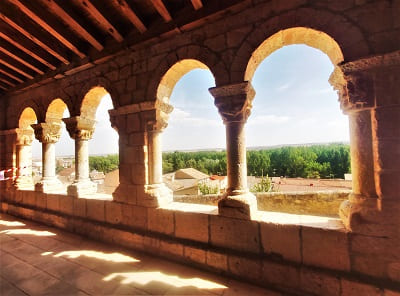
x: 234, y: 104
x: 24, y: 179
x: 356, y: 96
x: 48, y: 134
x: 81, y: 130
x: 140, y: 129
x: 156, y: 192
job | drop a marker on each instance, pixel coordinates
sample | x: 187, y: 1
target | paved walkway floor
x: 41, y: 260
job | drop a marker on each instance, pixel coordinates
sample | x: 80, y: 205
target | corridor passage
x: 41, y: 260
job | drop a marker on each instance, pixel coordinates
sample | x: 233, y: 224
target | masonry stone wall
x: 358, y: 254
x: 320, y: 203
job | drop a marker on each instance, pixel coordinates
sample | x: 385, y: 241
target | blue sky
x: 294, y: 104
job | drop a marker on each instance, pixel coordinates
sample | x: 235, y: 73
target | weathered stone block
x: 357, y: 288
x: 66, y: 205
x: 113, y: 212
x: 53, y: 202
x: 325, y: 248
x: 281, y: 275
x: 217, y: 260
x: 160, y: 220
x: 191, y: 226
x: 41, y: 202
x: 226, y: 231
x: 319, y: 283
x: 80, y: 207
x: 139, y: 217
x: 170, y: 248
x: 195, y: 254
x: 245, y: 267
x: 95, y: 209
x: 282, y: 240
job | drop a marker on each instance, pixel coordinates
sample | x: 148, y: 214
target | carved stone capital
x: 234, y: 101
x: 359, y: 92
x: 24, y: 136
x: 48, y: 132
x: 355, y: 89
x: 157, y: 119
x: 80, y: 127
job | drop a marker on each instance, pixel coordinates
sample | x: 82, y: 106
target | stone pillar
x: 156, y: 193
x: 234, y: 104
x: 140, y: 129
x: 48, y: 134
x: 81, y: 130
x: 8, y: 154
x: 356, y: 96
x: 24, y: 180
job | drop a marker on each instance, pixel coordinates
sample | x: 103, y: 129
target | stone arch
x: 297, y: 35
x: 91, y: 101
x: 27, y: 118
x: 348, y: 37
x: 31, y: 105
x: 196, y: 53
x: 173, y: 75
x: 55, y: 109
x: 90, y: 96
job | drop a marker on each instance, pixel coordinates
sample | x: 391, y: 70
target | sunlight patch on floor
x: 113, y: 257
x: 27, y: 232
x: 11, y: 223
x: 143, y: 278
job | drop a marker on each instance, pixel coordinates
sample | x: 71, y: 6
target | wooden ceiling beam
x: 34, y: 39
x: 27, y: 51
x: 102, y: 21
x: 22, y: 61
x: 67, y: 43
x: 11, y: 75
x: 7, y: 82
x: 3, y: 87
x: 162, y: 10
x: 127, y: 11
x: 16, y: 69
x: 197, y: 4
x: 78, y: 28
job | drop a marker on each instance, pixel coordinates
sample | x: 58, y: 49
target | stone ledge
x: 262, y: 270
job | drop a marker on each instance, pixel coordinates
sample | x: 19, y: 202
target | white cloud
x: 180, y: 117
x: 283, y: 87
x: 267, y: 119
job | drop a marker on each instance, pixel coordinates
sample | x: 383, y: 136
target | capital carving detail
x: 80, y: 128
x: 157, y: 119
x: 24, y: 136
x: 355, y: 89
x: 234, y: 101
x: 48, y: 132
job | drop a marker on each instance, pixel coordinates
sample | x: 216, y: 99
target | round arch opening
x: 299, y: 35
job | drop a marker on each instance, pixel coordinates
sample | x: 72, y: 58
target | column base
x: 80, y: 188
x: 23, y: 183
x: 49, y: 185
x: 155, y: 195
x: 370, y: 216
x: 150, y: 196
x: 241, y: 206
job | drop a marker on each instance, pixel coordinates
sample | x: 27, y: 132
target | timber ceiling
x: 42, y: 39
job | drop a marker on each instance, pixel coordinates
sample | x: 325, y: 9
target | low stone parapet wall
x: 291, y: 253
x: 321, y: 203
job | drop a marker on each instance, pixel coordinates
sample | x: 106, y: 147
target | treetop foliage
x: 316, y: 161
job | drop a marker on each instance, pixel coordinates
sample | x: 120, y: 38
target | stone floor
x: 40, y: 260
